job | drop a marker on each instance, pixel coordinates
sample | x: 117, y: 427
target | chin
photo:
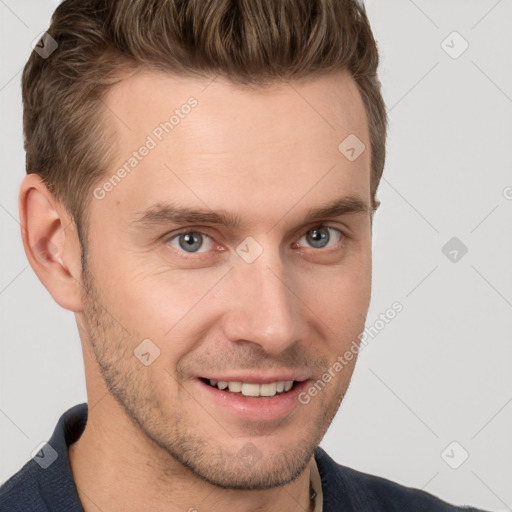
x: 248, y: 468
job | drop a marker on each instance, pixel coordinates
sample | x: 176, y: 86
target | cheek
x: 340, y: 295
x: 162, y: 305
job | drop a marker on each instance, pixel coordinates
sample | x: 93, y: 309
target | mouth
x: 263, y: 401
x: 252, y: 389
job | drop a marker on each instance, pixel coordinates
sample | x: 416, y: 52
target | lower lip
x: 254, y: 408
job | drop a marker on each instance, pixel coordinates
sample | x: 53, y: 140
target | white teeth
x: 268, y: 389
x: 235, y: 387
x: 250, y: 389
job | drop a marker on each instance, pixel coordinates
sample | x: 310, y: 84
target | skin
x: 268, y: 157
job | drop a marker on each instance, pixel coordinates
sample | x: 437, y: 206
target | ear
x: 376, y: 204
x: 51, y: 242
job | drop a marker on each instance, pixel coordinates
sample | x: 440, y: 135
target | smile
x: 272, y: 398
x: 252, y: 389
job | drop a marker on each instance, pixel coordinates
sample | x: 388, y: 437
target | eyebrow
x: 167, y: 213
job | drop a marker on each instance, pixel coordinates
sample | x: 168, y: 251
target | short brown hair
x: 250, y: 42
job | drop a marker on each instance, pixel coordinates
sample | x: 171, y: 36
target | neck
x: 117, y: 468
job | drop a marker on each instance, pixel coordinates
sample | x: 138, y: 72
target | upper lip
x: 259, y: 376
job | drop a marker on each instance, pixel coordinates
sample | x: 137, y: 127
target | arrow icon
x: 44, y: 454
x: 44, y: 45
x: 454, y: 45
x: 351, y: 147
x: 454, y: 455
x: 249, y: 249
x: 454, y: 249
x: 146, y: 352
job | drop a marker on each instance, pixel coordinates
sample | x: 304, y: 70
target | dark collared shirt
x: 45, y: 483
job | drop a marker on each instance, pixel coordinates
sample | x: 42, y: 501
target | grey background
x: 440, y: 371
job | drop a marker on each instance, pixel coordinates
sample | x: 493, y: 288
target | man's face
x: 274, y: 297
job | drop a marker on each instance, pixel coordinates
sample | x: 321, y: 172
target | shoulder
x: 21, y: 491
x: 45, y: 483
x: 344, y: 486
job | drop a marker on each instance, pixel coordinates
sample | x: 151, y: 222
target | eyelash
x: 199, y: 255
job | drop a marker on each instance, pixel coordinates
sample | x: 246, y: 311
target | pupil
x: 319, y: 237
x: 190, y: 241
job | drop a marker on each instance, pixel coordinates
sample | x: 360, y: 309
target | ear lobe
x: 51, y: 243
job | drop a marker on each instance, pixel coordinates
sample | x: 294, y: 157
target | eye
x: 320, y: 236
x: 191, y: 241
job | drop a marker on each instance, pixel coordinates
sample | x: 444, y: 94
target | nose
x: 264, y: 307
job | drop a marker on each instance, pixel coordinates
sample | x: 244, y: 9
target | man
x: 201, y: 181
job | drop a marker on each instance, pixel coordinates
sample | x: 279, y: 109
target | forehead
x: 211, y: 141
x: 330, y: 103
